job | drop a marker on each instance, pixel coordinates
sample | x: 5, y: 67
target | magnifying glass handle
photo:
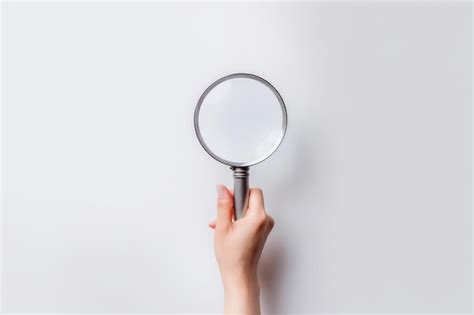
x: 241, y: 190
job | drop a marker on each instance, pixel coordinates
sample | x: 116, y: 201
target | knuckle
x: 261, y: 219
x: 271, y: 222
x: 224, y: 204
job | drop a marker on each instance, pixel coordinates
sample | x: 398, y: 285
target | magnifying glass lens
x: 241, y: 121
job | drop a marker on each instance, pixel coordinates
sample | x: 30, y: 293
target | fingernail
x: 220, y: 191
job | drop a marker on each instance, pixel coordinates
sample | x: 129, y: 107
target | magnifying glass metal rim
x: 209, y: 89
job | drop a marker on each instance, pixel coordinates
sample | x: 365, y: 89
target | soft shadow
x: 290, y: 183
x: 271, y: 271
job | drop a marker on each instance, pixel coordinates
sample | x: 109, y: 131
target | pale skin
x: 238, y: 246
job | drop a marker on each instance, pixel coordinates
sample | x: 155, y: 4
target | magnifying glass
x: 240, y: 120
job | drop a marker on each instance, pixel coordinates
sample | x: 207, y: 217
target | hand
x: 238, y: 246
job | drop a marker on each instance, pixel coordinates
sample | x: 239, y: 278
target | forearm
x: 242, y: 296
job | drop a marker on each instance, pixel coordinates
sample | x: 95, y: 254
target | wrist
x: 241, y: 284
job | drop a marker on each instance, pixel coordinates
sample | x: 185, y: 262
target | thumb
x: 225, y: 207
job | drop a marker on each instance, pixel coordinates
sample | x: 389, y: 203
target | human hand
x: 238, y: 246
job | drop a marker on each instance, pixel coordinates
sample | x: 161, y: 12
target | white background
x: 107, y: 192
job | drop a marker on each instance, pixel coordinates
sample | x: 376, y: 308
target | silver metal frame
x: 213, y: 85
x: 241, y: 170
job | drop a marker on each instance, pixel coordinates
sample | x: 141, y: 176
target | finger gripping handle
x: 241, y: 191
